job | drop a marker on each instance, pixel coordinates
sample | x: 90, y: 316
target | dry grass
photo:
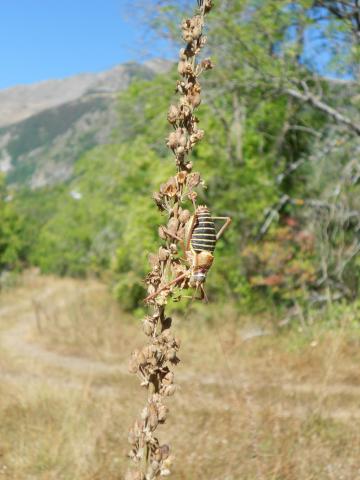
x: 281, y: 407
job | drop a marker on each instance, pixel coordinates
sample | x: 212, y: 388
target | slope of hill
x: 46, y: 126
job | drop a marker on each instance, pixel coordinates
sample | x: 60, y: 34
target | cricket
x: 198, y: 247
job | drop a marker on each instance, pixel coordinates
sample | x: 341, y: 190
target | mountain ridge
x: 46, y: 126
x: 24, y: 100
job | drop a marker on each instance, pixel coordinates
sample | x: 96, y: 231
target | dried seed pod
x: 148, y: 327
x: 173, y: 225
x: 173, y: 114
x: 169, y: 188
x: 182, y: 54
x: 171, y: 354
x: 181, y: 87
x: 165, y: 451
x: 207, y: 64
x: 196, y: 137
x: 163, y: 254
x: 168, y: 379
x: 161, y: 299
x: 157, y: 455
x: 142, y: 358
x: 184, y: 216
x: 196, y: 32
x: 193, y: 180
x: 182, y: 67
x: 180, y: 151
x: 162, y: 233
x: 155, y: 466
x: 157, y: 197
x: 162, y: 413
x: 182, y: 138
x: 147, y: 352
x: 181, y: 176
x: 208, y: 6
x: 177, y: 269
x: 173, y: 246
x: 195, y: 100
x: 172, y: 140
x: 169, y: 390
x: 167, y: 336
x: 153, y: 419
x: 184, y: 102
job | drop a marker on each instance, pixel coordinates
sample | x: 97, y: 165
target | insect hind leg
x: 228, y: 220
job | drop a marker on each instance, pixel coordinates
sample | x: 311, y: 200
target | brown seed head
x: 165, y: 451
x: 163, y: 254
x: 162, y: 413
x: 162, y: 233
x: 173, y: 225
x: 207, y: 64
x: 171, y: 354
x: 169, y: 390
x: 193, y: 180
x: 168, y: 379
x: 173, y: 114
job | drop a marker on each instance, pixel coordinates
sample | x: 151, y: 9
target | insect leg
x: 224, y: 227
x: 181, y: 240
x: 203, y: 294
x: 153, y: 295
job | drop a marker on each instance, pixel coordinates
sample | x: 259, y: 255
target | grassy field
x: 283, y: 406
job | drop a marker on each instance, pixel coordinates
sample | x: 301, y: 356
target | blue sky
x: 42, y: 39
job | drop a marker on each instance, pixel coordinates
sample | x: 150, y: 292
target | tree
x: 12, y: 245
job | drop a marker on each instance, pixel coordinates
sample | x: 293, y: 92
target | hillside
x: 46, y: 126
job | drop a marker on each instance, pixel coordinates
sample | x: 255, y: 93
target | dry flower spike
x: 153, y: 363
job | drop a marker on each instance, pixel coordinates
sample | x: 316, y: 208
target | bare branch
x: 323, y: 107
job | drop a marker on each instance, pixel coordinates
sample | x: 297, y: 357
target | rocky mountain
x: 45, y: 127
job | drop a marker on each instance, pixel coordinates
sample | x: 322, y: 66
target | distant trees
x: 12, y: 242
x: 285, y: 101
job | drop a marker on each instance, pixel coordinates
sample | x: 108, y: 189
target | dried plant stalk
x: 153, y: 364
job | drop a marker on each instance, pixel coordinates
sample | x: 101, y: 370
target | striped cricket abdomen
x: 204, y: 235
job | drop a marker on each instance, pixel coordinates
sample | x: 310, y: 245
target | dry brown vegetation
x: 281, y: 407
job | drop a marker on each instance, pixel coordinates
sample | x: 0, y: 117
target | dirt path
x: 16, y: 341
x: 83, y: 371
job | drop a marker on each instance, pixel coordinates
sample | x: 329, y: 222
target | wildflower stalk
x: 154, y: 362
